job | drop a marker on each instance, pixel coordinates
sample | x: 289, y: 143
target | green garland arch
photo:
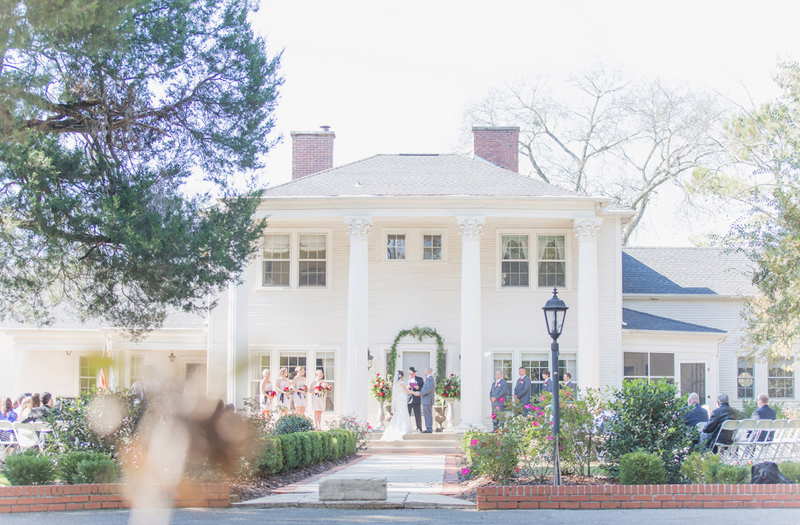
x: 419, y: 333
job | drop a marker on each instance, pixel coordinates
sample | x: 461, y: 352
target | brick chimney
x: 312, y: 151
x: 500, y: 146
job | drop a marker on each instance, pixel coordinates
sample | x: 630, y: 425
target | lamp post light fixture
x: 171, y: 357
x: 555, y: 311
x: 370, y: 357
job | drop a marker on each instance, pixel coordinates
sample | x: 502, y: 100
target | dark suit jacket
x: 765, y: 412
x: 522, y: 390
x: 718, y: 417
x: 548, y: 385
x: 415, y: 385
x: 697, y: 415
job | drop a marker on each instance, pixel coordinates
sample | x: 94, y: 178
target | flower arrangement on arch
x: 381, y: 389
x: 450, y: 388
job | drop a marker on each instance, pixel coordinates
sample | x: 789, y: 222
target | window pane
x: 432, y: 247
x: 534, y: 365
x: 662, y: 364
x: 745, y: 384
x: 395, y: 247
x: 312, y: 247
x: 276, y: 246
x: 312, y: 273
x: 260, y: 363
x: 635, y: 364
x: 568, y: 363
x: 137, y: 368
x: 276, y: 273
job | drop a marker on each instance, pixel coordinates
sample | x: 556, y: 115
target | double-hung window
x: 87, y: 374
x: 549, y: 259
x: 745, y: 383
x: 651, y: 366
x: 780, y: 380
x: 552, y: 261
x: 432, y: 247
x: 515, y: 266
x: 295, y: 260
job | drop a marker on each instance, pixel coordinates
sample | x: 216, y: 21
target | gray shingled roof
x: 690, y: 271
x: 418, y: 175
x: 641, y: 321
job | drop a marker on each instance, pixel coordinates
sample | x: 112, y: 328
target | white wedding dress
x: 400, y: 424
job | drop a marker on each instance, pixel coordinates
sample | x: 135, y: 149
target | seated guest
x: 697, y: 414
x: 7, y: 410
x: 43, y: 410
x: 721, y: 414
x: 764, y: 411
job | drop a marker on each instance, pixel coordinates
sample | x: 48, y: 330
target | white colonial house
x: 465, y: 245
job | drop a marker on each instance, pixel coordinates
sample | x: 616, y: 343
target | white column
x: 471, y: 229
x: 238, y: 365
x: 586, y: 231
x: 357, y: 316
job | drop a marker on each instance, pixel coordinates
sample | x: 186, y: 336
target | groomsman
x: 427, y: 395
x: 415, y: 385
x: 522, y: 390
x: 497, y: 395
x: 548, y: 383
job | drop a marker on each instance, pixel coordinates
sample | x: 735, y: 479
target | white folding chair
x: 740, y: 449
x: 730, y: 425
x: 8, y: 441
x: 26, y: 436
x: 786, y: 438
x: 43, y: 431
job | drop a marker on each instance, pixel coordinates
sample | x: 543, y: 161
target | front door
x: 693, y: 379
x: 419, y: 360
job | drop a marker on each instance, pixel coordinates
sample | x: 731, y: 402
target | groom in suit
x: 426, y: 395
x: 522, y: 390
x: 415, y: 385
x: 497, y: 395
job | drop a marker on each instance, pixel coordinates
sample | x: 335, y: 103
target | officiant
x: 414, y: 384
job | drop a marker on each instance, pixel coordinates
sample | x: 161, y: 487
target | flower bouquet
x: 450, y: 388
x: 322, y: 388
x: 272, y: 393
x: 381, y: 389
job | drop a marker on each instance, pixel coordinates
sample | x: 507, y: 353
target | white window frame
x: 533, y: 262
x: 311, y: 374
x: 415, y: 238
x: 405, y: 247
x: 294, y: 259
x: 97, y: 371
x: 131, y: 357
x: 793, y: 377
x: 256, y: 369
x: 753, y: 376
x: 649, y: 376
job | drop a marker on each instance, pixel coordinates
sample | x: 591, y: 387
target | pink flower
x: 474, y: 442
x: 502, y: 399
x: 550, y: 437
x: 465, y: 471
x: 494, y: 416
x: 516, y: 469
x: 368, y: 426
x: 527, y: 406
x: 551, y: 423
x: 536, y: 423
x: 541, y: 414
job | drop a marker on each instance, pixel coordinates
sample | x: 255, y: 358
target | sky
x: 396, y: 77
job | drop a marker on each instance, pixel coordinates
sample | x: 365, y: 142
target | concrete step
x: 448, y: 451
x: 418, y: 436
x: 414, y: 443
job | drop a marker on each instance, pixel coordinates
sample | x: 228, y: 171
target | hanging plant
x: 419, y: 333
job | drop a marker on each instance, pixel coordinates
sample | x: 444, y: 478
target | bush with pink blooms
x: 489, y: 454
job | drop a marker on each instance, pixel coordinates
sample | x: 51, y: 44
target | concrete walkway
x: 413, y: 482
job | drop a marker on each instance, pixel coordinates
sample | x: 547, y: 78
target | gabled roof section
x: 685, y: 271
x: 641, y: 321
x: 415, y: 176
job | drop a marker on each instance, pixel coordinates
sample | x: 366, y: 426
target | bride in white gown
x: 401, y: 422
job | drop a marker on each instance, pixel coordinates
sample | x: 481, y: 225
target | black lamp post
x: 555, y: 311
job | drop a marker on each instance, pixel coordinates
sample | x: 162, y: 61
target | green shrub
x: 77, y: 433
x: 711, y: 465
x: 732, y: 475
x: 328, y: 450
x: 791, y: 471
x: 493, y: 455
x: 317, y: 447
x: 692, y: 467
x: 30, y: 469
x: 269, y: 460
x: 642, y: 468
x: 67, y: 464
x: 466, y: 444
x: 290, y: 452
x: 306, y: 449
x: 292, y: 424
x: 649, y: 417
x: 99, y: 470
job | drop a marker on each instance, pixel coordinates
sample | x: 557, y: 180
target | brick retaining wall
x: 639, y: 497
x: 38, y: 498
